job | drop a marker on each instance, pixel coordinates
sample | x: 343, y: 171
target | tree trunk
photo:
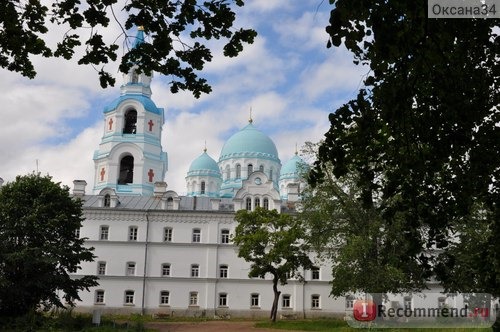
x: 274, y: 309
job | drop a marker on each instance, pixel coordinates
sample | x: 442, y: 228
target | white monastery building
x: 158, y: 252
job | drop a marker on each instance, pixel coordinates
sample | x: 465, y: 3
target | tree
x: 366, y: 254
x: 273, y: 243
x: 39, y: 247
x: 422, y: 136
x: 175, y: 28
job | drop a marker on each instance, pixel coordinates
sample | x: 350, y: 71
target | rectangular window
x: 349, y: 302
x: 195, y: 270
x: 193, y: 298
x: 77, y: 233
x: 101, y: 268
x: 315, y: 273
x: 196, y: 235
x: 223, y: 271
x: 129, y: 297
x: 104, y: 233
x: 165, y: 270
x: 224, y: 236
x: 167, y: 234
x: 441, y: 302
x: 99, y: 296
x: 132, y: 233
x: 286, y: 303
x: 315, y: 301
x: 130, y: 268
x: 407, y: 303
x: 164, y: 297
x: 254, y: 300
x: 222, y: 300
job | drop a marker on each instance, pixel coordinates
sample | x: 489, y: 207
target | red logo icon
x: 364, y: 310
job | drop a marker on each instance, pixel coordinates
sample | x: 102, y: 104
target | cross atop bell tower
x: 130, y: 158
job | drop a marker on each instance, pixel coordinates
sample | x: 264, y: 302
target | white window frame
x: 195, y: 270
x: 104, y: 232
x: 349, y: 302
x: 133, y: 232
x: 164, y: 297
x: 254, y: 300
x: 223, y: 300
x: 315, y: 301
x: 225, y: 236
x: 99, y: 296
x: 101, y: 268
x: 166, y: 270
x: 130, y: 268
x: 196, y: 236
x: 315, y: 273
x: 193, y: 298
x: 223, y: 271
x: 129, y: 297
x: 286, y: 301
x: 168, y: 233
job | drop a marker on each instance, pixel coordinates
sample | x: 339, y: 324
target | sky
x: 291, y: 81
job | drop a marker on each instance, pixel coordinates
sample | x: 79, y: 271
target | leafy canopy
x: 176, y: 29
x: 422, y: 138
x: 273, y: 243
x: 38, y: 246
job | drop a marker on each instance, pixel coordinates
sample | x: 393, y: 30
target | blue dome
x: 148, y: 104
x: 293, y: 168
x: 204, y: 165
x: 249, y: 142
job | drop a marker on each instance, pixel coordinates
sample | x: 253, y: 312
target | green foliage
x: 175, y: 29
x: 422, y: 138
x: 38, y: 246
x: 273, y: 243
x: 367, y: 255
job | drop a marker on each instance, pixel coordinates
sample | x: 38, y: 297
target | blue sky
x: 288, y: 77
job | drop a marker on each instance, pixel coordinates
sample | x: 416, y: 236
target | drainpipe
x: 143, y: 309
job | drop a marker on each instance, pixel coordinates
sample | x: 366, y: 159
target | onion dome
x: 204, y: 165
x: 293, y: 168
x: 249, y: 142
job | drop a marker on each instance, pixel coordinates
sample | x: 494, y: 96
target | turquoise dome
x: 249, y: 142
x: 204, y: 165
x: 292, y: 168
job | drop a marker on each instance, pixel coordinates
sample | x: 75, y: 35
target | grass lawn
x: 341, y: 326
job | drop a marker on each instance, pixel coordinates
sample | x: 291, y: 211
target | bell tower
x: 130, y: 158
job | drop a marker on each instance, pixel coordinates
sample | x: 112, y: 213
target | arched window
x: 266, y: 204
x: 238, y: 171
x: 170, y: 203
x: 202, y: 187
x: 248, y: 204
x: 107, y: 200
x: 250, y: 169
x: 261, y: 168
x: 130, y: 124
x: 228, y: 172
x: 135, y: 77
x: 257, y: 202
x: 126, y: 170
x: 271, y: 174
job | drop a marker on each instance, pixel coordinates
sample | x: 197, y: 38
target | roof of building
x: 143, y: 203
x: 204, y: 165
x: 148, y: 104
x: 292, y: 168
x: 249, y: 142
